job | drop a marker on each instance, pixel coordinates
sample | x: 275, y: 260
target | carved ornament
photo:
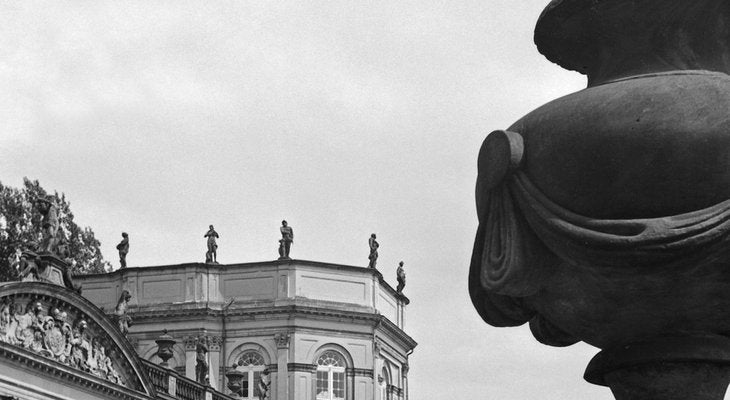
x: 58, y: 331
x: 282, y: 340
x: 214, y: 343
x: 377, y: 348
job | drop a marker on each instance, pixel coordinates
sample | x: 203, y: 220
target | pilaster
x: 282, y: 361
x: 190, y: 345
x: 404, y: 371
x: 377, y: 370
x: 214, y: 357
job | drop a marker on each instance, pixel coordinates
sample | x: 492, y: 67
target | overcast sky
x: 345, y: 118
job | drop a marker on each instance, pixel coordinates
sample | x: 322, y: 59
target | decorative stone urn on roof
x: 604, y: 216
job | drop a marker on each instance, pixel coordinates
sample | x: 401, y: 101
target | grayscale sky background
x: 343, y: 117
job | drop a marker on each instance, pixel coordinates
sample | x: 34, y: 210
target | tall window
x: 384, y: 383
x: 331, y: 376
x: 252, y: 364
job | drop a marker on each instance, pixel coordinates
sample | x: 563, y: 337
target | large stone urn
x: 604, y: 216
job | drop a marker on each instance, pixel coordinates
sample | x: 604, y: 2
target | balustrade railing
x: 220, y: 396
x: 184, y: 388
x: 158, y: 376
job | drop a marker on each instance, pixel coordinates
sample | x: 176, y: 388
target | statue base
x: 48, y: 268
x: 667, y: 368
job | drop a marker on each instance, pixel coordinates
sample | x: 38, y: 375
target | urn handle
x: 500, y: 154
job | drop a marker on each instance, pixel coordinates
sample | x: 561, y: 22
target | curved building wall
x: 281, y: 315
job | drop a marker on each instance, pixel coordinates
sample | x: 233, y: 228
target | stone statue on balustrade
x: 264, y: 385
x: 201, y: 362
x: 211, y: 254
x: 373, y: 257
x: 287, y: 238
x: 123, y: 248
x: 401, y: 276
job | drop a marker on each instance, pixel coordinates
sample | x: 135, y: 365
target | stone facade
x: 55, y: 344
x: 321, y: 330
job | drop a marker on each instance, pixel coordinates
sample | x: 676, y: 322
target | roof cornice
x: 275, y: 263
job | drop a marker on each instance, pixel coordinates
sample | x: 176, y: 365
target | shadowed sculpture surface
x: 604, y: 216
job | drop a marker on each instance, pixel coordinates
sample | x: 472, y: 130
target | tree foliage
x: 20, y: 227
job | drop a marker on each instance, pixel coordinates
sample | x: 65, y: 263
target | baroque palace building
x: 303, y: 330
x: 322, y: 331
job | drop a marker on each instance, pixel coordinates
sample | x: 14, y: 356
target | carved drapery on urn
x: 604, y: 216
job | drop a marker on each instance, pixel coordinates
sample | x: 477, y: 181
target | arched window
x: 384, y: 383
x: 252, y: 364
x: 331, y: 376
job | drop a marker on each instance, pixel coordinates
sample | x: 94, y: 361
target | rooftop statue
x: 373, y: 257
x: 287, y: 238
x: 211, y: 254
x: 401, y: 276
x: 50, y: 225
x: 123, y: 248
x: 604, y: 216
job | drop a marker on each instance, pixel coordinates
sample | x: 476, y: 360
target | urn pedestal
x: 604, y: 216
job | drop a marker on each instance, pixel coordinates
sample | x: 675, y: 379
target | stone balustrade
x: 168, y: 381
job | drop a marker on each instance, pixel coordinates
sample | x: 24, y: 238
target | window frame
x: 253, y: 372
x: 385, y: 373
x: 331, y: 371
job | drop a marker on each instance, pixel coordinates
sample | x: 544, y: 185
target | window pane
x: 250, y: 358
x: 330, y: 383
x: 322, y: 386
x: 338, y: 385
x: 244, y: 386
x: 331, y: 358
x: 256, y: 378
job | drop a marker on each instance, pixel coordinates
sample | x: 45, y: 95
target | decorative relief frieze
x: 55, y: 330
